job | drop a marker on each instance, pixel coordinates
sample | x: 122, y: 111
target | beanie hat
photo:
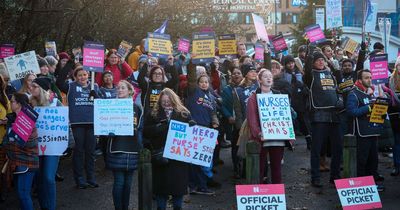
x: 246, y: 68
x: 42, y: 62
x: 63, y: 55
x: 142, y: 58
x: 287, y: 59
x: 105, y: 73
x: 302, y: 48
x: 43, y: 82
x: 378, y: 46
x: 317, y: 55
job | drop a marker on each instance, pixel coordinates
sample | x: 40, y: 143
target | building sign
x: 242, y: 5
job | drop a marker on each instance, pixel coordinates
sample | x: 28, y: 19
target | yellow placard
x: 351, y: 46
x: 203, y: 48
x: 377, y: 112
x: 160, y: 46
x: 227, y: 47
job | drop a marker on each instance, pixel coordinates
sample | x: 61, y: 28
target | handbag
x: 157, y: 157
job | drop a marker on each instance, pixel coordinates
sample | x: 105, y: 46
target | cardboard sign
x: 124, y: 48
x: 275, y: 117
x: 227, y: 45
x: 350, y: 45
x: 379, y: 109
x: 263, y: 196
x: 93, y: 57
x: 194, y: 144
x: 51, y: 48
x: 315, y: 34
x: 6, y: 50
x: 25, y: 122
x: 22, y: 64
x: 159, y: 45
x: 53, y: 130
x: 113, y: 116
x: 203, y: 47
x: 184, y: 45
x: 358, y: 193
x: 260, y: 27
x: 379, y: 68
x: 279, y: 44
x: 320, y: 17
x: 259, y: 52
x: 333, y: 13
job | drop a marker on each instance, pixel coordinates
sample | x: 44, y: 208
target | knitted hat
x: 43, y: 82
x: 143, y: 58
x: 246, y: 68
x: 63, y: 55
x: 287, y: 59
x: 378, y: 46
x: 318, y: 55
x: 42, y: 62
x: 105, y: 73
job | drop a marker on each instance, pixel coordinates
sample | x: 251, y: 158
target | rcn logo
x: 351, y: 182
x: 256, y: 189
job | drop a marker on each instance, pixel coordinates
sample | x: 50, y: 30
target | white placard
x: 22, y: 64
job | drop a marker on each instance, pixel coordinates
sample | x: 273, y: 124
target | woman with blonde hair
x: 5, y: 109
x: 27, y: 83
x: 170, y: 177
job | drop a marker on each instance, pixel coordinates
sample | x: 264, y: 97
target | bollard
x: 252, y: 162
x: 349, y: 156
x: 145, y: 180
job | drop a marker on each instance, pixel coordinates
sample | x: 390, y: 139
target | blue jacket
x: 202, y: 106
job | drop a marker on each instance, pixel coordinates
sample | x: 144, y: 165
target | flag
x: 368, y: 11
x: 162, y: 28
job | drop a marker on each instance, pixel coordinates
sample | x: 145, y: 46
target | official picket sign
x: 227, y: 45
x: 51, y: 48
x: 193, y: 144
x: 6, y: 50
x: 315, y: 34
x: 53, y: 130
x: 25, y: 122
x: 261, y: 197
x: 159, y: 45
x: 22, y: 64
x: 113, y: 116
x: 379, y: 68
x: 358, y: 193
x: 184, y: 45
x: 275, y: 116
x: 93, y: 56
x: 203, y: 47
x: 124, y: 48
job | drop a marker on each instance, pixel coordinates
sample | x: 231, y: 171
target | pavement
x: 299, y: 194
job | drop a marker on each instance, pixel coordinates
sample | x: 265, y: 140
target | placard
x: 113, y: 116
x: 315, y: 34
x: 203, y: 47
x: 320, y: 17
x: 6, y: 50
x: 124, y: 48
x: 260, y: 28
x: 51, y: 48
x: 350, y: 45
x: 159, y: 45
x: 358, y: 193
x: 379, y: 110
x: 263, y: 196
x: 53, y: 130
x: 279, y: 44
x: 193, y: 144
x: 22, y: 64
x: 184, y: 45
x: 77, y: 52
x: 275, y: 117
x: 379, y: 68
x: 227, y: 45
x: 93, y: 57
x: 371, y: 19
x: 259, y: 52
x: 25, y: 122
x: 333, y: 13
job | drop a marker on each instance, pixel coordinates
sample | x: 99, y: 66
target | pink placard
x: 379, y: 68
x: 7, y: 50
x: 259, y: 53
x: 23, y: 126
x: 183, y: 45
x: 93, y: 57
x: 279, y: 44
x: 260, y: 28
x: 262, y: 189
x: 315, y: 33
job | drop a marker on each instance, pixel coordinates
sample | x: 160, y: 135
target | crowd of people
x: 330, y: 90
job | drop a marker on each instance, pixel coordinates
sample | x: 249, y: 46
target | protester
x: 241, y: 49
x: 394, y: 114
x: 108, y: 89
x: 170, y: 177
x: 117, y: 66
x: 4, y: 110
x: 27, y: 84
x: 133, y: 58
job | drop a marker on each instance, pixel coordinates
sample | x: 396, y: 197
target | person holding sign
x: 123, y: 154
x: 170, y: 177
x: 5, y: 109
x: 23, y: 156
x: 117, y: 66
x: 274, y: 148
x: 394, y: 114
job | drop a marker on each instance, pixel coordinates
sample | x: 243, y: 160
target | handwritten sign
x: 184, y: 45
x: 93, y: 57
x: 350, y: 45
x: 279, y: 44
x: 315, y: 34
x: 194, y: 144
x: 203, y: 47
x: 275, y: 116
x: 124, y: 48
x: 263, y: 196
x: 379, y: 109
x: 6, y: 50
x: 227, y: 45
x: 259, y: 52
x: 53, y: 130
x: 333, y: 13
x: 51, y: 48
x: 260, y: 27
x: 113, y: 116
x: 159, y: 45
x: 320, y: 17
x: 22, y: 64
x: 358, y: 193
x: 379, y: 68
x: 25, y: 122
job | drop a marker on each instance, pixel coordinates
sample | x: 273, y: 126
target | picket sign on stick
x: 22, y: 64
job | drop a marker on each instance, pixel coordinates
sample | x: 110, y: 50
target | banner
x: 227, y: 45
x: 123, y: 49
x: 159, y: 45
x: 25, y: 122
x: 379, y: 110
x: 370, y: 23
x: 51, y: 48
x: 275, y: 117
x: 260, y: 28
x: 93, y: 57
x: 333, y: 14
x: 22, y: 64
x: 193, y: 144
x: 53, y: 130
x: 6, y: 50
x: 113, y: 116
x: 184, y: 45
x: 263, y: 196
x: 358, y: 193
x: 320, y: 17
x: 315, y: 34
x: 203, y: 47
x: 279, y: 44
x: 379, y: 68
x: 259, y: 52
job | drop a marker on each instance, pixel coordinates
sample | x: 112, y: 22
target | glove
x: 363, y: 46
x: 93, y: 94
x: 192, y: 123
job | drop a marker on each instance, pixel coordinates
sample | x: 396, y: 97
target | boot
x: 395, y: 171
x: 323, y: 167
x: 308, y: 140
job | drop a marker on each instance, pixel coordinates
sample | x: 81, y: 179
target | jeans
x: 84, y: 153
x: 162, y: 202
x: 46, y: 181
x: 197, y: 178
x: 367, y: 156
x: 23, y: 185
x: 122, y: 189
x: 396, y: 149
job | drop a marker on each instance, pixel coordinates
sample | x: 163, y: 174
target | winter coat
x: 119, y: 71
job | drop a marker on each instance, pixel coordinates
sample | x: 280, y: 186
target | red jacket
x: 126, y: 71
x: 253, y: 118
